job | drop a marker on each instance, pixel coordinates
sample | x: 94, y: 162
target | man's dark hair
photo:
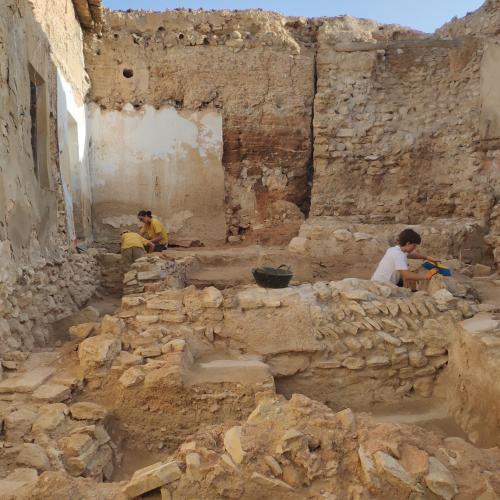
x: 409, y: 236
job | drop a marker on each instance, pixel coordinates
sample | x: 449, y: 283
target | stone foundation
x: 40, y: 295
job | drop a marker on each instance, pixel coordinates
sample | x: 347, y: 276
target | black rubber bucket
x: 273, y: 277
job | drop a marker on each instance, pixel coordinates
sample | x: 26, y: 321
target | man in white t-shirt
x: 393, y: 268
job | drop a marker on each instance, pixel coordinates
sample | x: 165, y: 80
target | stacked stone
x: 367, y: 130
x: 42, y: 295
x: 112, y: 271
x: 327, y: 237
x: 155, y: 273
x: 347, y: 331
x: 43, y: 431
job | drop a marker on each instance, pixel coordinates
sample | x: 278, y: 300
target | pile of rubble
x: 302, y: 449
x: 44, y: 429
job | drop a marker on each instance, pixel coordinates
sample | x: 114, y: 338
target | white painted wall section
x: 166, y: 161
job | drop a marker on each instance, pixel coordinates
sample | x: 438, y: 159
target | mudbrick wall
x: 255, y: 69
x: 41, y: 280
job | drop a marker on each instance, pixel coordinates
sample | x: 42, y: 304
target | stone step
x: 246, y: 372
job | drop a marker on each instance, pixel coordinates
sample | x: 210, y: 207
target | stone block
x: 414, y: 460
x: 152, y: 477
x: 82, y: 331
x: 132, y: 376
x: 98, y: 351
x: 52, y: 393
x: 232, y: 444
x: 26, y: 382
x: 87, y: 411
x: 211, y: 297
x: 33, y: 455
x: 51, y: 417
x: 393, y: 471
x: 440, y: 480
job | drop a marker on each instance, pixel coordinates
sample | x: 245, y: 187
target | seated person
x: 132, y: 246
x: 393, y: 268
x: 153, y: 230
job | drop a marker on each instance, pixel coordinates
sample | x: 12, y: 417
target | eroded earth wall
x: 253, y: 69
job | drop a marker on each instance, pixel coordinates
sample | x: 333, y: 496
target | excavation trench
x: 209, y: 353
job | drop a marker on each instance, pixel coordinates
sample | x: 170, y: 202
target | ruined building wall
x: 253, y: 69
x: 396, y: 131
x: 40, y: 280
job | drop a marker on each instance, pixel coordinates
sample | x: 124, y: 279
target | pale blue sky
x: 425, y: 15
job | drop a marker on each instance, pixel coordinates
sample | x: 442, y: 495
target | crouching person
x: 394, y: 268
x: 133, y: 246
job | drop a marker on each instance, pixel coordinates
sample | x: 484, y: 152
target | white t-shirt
x: 392, y: 262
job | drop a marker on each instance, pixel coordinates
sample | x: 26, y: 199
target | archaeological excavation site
x: 269, y: 148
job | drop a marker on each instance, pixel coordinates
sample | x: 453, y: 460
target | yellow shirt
x: 153, y: 228
x: 131, y: 240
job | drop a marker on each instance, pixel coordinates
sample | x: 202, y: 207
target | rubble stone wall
x: 37, y: 296
x: 397, y: 130
x: 358, y: 341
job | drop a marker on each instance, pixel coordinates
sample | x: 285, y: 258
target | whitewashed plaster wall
x: 166, y: 161
x: 73, y: 155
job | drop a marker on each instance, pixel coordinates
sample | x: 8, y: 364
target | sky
x: 424, y: 15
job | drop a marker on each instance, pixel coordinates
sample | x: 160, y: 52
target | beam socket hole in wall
x: 161, y: 28
x: 180, y: 36
x: 116, y: 36
x: 128, y: 73
x: 206, y: 41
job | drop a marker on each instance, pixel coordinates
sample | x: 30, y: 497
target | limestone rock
x: 132, y: 376
x: 440, y: 480
x: 393, y: 471
x: 152, y: 477
x: 353, y: 363
x: 268, y: 482
x: 33, y: 455
x: 211, y: 297
x: 87, y: 411
x: 12, y: 484
x: 82, y: 331
x: 232, y: 444
x: 98, y: 351
x: 52, y: 393
x: 51, y: 417
x: 26, y: 382
x: 414, y: 460
x: 18, y: 423
x: 111, y: 325
x: 298, y: 245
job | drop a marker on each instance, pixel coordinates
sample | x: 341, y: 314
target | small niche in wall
x: 128, y: 73
x: 39, y: 126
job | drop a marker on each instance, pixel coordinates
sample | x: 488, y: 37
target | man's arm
x: 150, y: 245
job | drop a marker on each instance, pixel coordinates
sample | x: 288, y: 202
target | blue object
x: 441, y: 269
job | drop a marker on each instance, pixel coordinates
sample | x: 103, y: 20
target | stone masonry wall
x: 255, y: 68
x: 358, y: 341
x: 397, y: 129
x: 34, y: 297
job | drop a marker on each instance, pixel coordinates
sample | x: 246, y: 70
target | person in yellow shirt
x: 153, y: 230
x: 132, y: 246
